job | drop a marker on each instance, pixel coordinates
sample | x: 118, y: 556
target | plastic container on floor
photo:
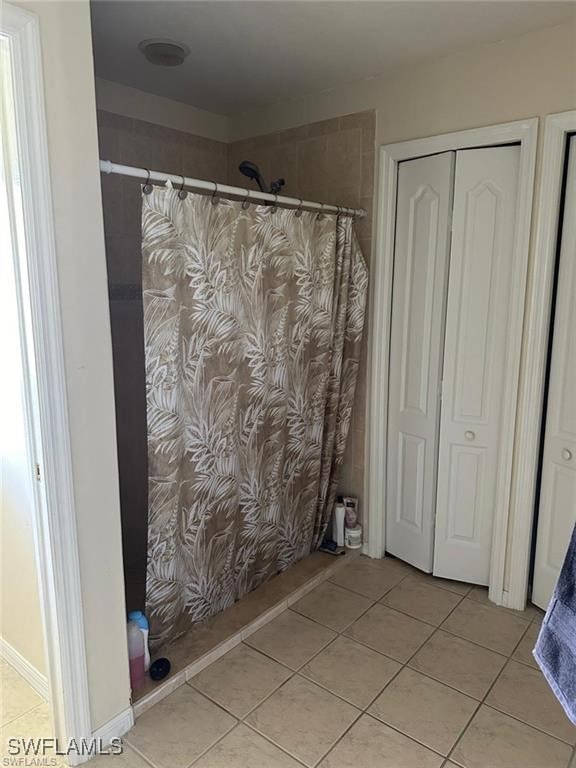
x: 353, y: 537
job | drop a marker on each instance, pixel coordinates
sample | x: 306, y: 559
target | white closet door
x: 475, y: 372
x: 421, y: 253
x: 558, y: 490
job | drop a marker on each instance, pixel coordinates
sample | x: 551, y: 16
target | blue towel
x: 555, y: 649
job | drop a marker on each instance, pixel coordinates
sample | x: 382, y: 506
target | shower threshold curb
x: 220, y: 647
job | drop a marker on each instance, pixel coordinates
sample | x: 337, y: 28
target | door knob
x: 469, y: 435
x: 566, y: 454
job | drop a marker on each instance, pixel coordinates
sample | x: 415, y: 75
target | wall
x: 534, y: 74
x: 20, y: 612
x: 73, y: 156
x: 131, y: 102
x: 330, y: 161
x: 134, y: 142
x: 531, y: 75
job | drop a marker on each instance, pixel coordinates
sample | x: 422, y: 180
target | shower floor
x: 378, y: 666
x: 210, y: 639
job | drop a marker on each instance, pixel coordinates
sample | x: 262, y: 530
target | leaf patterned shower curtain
x: 252, y: 322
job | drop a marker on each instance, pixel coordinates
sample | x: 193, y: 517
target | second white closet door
x: 474, y: 376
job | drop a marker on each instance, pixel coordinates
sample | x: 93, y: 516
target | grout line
x: 274, y: 744
x: 290, y: 602
x: 484, y: 703
x: 26, y: 712
x: 529, y: 725
x: 190, y: 670
x: 364, y: 710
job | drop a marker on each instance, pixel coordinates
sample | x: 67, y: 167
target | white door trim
x: 55, y: 526
x: 535, y: 350
x: 523, y: 132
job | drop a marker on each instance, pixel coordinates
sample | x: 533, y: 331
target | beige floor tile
x: 34, y: 724
x: 179, y: 728
x: 524, y: 650
x: 241, y: 679
x: 458, y: 587
x: 523, y: 692
x: 244, y: 748
x: 333, y: 606
x: 370, y: 577
x: 459, y: 663
x: 390, y: 632
x: 421, y: 600
x: 128, y: 759
x: 480, y: 595
x: 16, y: 695
x: 291, y: 639
x: 494, y: 740
x: 351, y: 670
x: 371, y: 744
x: 424, y: 709
x: 490, y: 627
x: 303, y: 719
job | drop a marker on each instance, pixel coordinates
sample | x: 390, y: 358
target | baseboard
x: 37, y: 680
x: 115, y: 728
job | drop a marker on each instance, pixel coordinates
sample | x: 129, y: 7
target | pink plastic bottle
x: 135, y: 655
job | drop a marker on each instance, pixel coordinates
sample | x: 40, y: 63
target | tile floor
x: 23, y: 714
x: 381, y: 667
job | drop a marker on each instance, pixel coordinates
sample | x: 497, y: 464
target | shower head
x: 253, y: 172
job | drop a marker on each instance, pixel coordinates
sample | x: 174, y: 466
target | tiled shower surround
x: 331, y: 161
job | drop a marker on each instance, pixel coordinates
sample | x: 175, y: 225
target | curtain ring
x: 246, y: 201
x: 147, y: 186
x: 299, y: 210
x: 182, y: 194
x: 320, y: 214
x: 274, y: 206
x: 215, y: 199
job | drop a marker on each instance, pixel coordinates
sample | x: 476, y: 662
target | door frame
x: 54, y: 520
x: 557, y: 127
x: 524, y: 133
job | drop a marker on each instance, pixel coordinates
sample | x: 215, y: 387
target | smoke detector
x: 164, y: 53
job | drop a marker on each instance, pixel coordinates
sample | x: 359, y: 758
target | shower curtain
x: 253, y: 319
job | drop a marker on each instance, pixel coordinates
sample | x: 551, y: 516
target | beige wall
x: 73, y: 149
x: 20, y: 613
x: 131, y: 102
x: 532, y: 75
x: 521, y: 77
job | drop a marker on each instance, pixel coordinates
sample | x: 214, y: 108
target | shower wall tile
x: 134, y: 142
x: 331, y: 161
x: 324, y: 126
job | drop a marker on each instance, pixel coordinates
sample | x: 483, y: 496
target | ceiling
x: 248, y: 54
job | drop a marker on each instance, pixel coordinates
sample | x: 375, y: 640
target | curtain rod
x: 106, y: 166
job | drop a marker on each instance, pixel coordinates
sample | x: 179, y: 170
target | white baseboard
x: 37, y: 680
x: 115, y: 728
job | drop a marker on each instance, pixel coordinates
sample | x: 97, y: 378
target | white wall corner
x: 37, y: 680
